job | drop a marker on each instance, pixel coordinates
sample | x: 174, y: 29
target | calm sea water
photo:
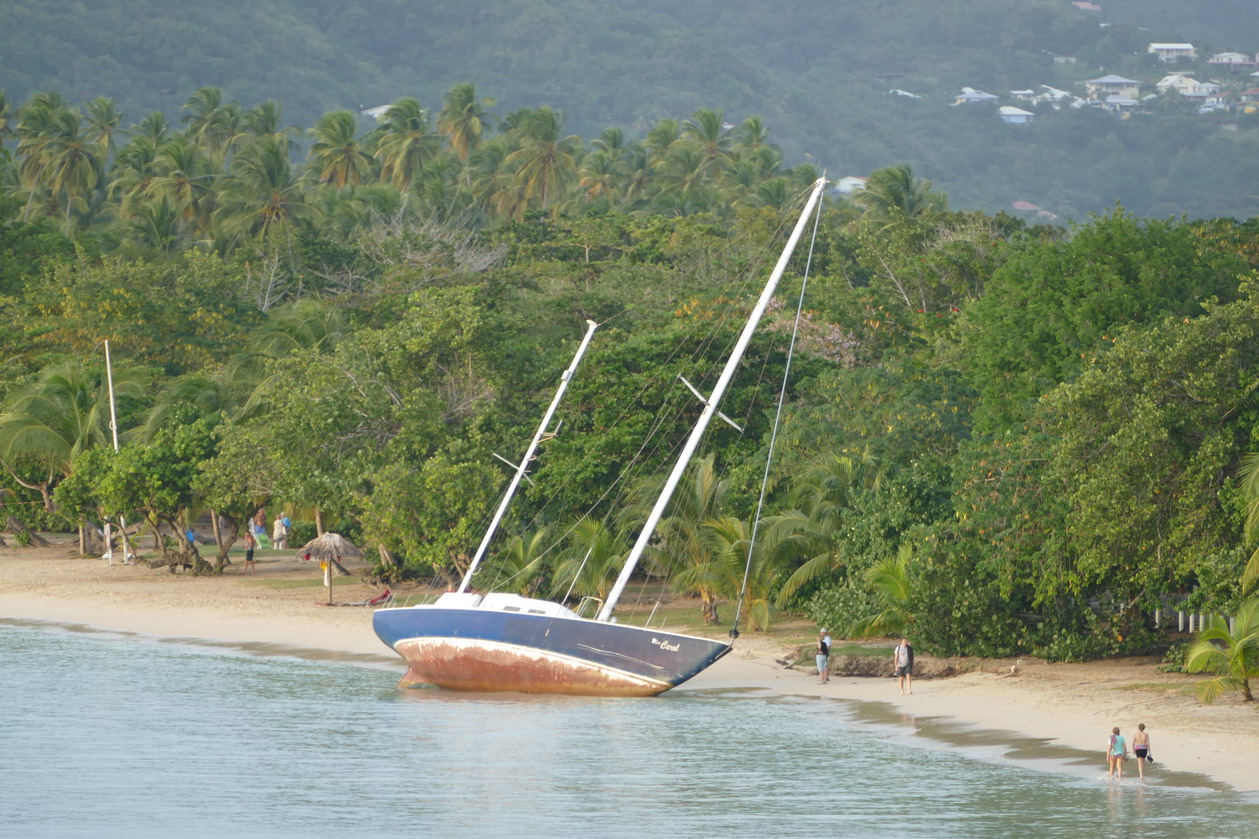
x: 112, y: 735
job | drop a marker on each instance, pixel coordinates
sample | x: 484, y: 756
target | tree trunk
x: 33, y: 539
x: 318, y: 522
x: 386, y: 558
x: 218, y: 539
x: 82, y: 537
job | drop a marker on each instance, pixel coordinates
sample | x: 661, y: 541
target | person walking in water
x: 1141, y: 749
x: 1116, y: 752
x: 903, y: 662
x: 823, y: 654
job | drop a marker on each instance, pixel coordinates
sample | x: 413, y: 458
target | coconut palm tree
x: 1249, y: 476
x: 894, y: 194
x: 522, y: 563
x: 588, y: 566
x: 212, y: 123
x: 103, y: 119
x: 546, y: 161
x: 59, y: 163
x: 261, y: 192
x: 63, y: 412
x: 1233, y: 655
x: 812, y: 527
x: 405, y: 142
x: 337, y: 154
x: 889, y: 580
x: 683, y: 546
x: 707, y: 130
x: 463, y: 119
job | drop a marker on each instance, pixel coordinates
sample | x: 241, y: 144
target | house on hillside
x: 1186, y: 86
x: 1249, y: 97
x: 1011, y: 115
x: 375, y: 113
x: 1085, y: 6
x: 1173, y: 52
x: 1232, y: 60
x: 1113, y: 85
x: 969, y: 95
x: 849, y: 184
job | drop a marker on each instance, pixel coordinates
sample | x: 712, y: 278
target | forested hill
x: 819, y: 73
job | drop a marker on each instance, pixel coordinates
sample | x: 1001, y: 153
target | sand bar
x: 1064, y: 705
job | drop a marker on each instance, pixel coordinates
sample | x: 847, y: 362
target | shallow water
x: 114, y: 735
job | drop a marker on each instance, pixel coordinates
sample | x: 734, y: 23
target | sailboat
x: 507, y: 642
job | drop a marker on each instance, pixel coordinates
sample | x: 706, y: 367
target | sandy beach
x: 1062, y: 705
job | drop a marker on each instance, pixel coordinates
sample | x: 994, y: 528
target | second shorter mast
x: 523, y: 467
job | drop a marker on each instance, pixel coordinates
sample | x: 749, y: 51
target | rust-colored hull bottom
x: 459, y: 664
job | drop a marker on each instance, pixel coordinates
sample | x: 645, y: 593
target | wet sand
x: 1056, y: 714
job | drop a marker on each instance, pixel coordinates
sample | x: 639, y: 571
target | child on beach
x: 250, y: 544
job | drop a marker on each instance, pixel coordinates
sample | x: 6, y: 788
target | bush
x: 836, y: 608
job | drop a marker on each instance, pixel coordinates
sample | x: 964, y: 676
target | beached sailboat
x: 507, y: 642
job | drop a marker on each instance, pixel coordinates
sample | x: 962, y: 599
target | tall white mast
x: 113, y: 427
x: 523, y: 466
x: 710, y: 407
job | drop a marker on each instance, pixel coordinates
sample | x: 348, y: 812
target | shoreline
x: 1062, y: 712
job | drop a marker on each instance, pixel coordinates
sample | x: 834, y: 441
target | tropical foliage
x: 1008, y: 438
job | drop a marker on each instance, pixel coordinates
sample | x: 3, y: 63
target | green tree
x: 1231, y: 654
x: 405, y: 143
x: 337, y: 154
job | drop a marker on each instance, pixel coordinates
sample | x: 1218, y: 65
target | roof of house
x: 1169, y: 46
x: 1024, y: 205
x: 1112, y: 79
x: 1011, y: 111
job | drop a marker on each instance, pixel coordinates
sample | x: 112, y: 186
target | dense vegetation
x: 818, y: 72
x: 1005, y: 438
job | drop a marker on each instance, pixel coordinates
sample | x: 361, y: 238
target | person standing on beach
x: 250, y: 544
x: 903, y: 662
x: 1116, y: 752
x: 279, y: 533
x: 823, y: 657
x: 259, y: 527
x: 1141, y: 749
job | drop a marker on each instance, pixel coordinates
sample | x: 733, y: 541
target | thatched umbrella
x: 330, y: 549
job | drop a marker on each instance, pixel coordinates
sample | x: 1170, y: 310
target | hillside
x: 819, y: 76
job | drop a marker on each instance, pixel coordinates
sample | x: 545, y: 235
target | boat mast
x: 523, y: 467
x: 710, y: 407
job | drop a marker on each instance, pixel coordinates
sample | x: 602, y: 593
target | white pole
x: 692, y: 443
x: 113, y: 427
x: 565, y: 378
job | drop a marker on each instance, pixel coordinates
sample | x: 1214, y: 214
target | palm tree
x: 684, y: 547
x: 522, y: 563
x: 63, y: 412
x: 463, y: 119
x: 730, y: 538
x: 1249, y: 475
x: 212, y: 123
x: 1232, y: 655
x: 58, y: 161
x: 337, y: 154
x: 261, y: 192
x: 184, y: 177
x: 405, y: 142
x: 707, y: 129
x: 890, y: 582
x: 103, y: 118
x: 590, y: 563
x: 545, y: 161
x: 894, y: 194
x: 812, y: 527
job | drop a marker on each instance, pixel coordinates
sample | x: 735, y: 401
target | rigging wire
x: 773, y: 437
